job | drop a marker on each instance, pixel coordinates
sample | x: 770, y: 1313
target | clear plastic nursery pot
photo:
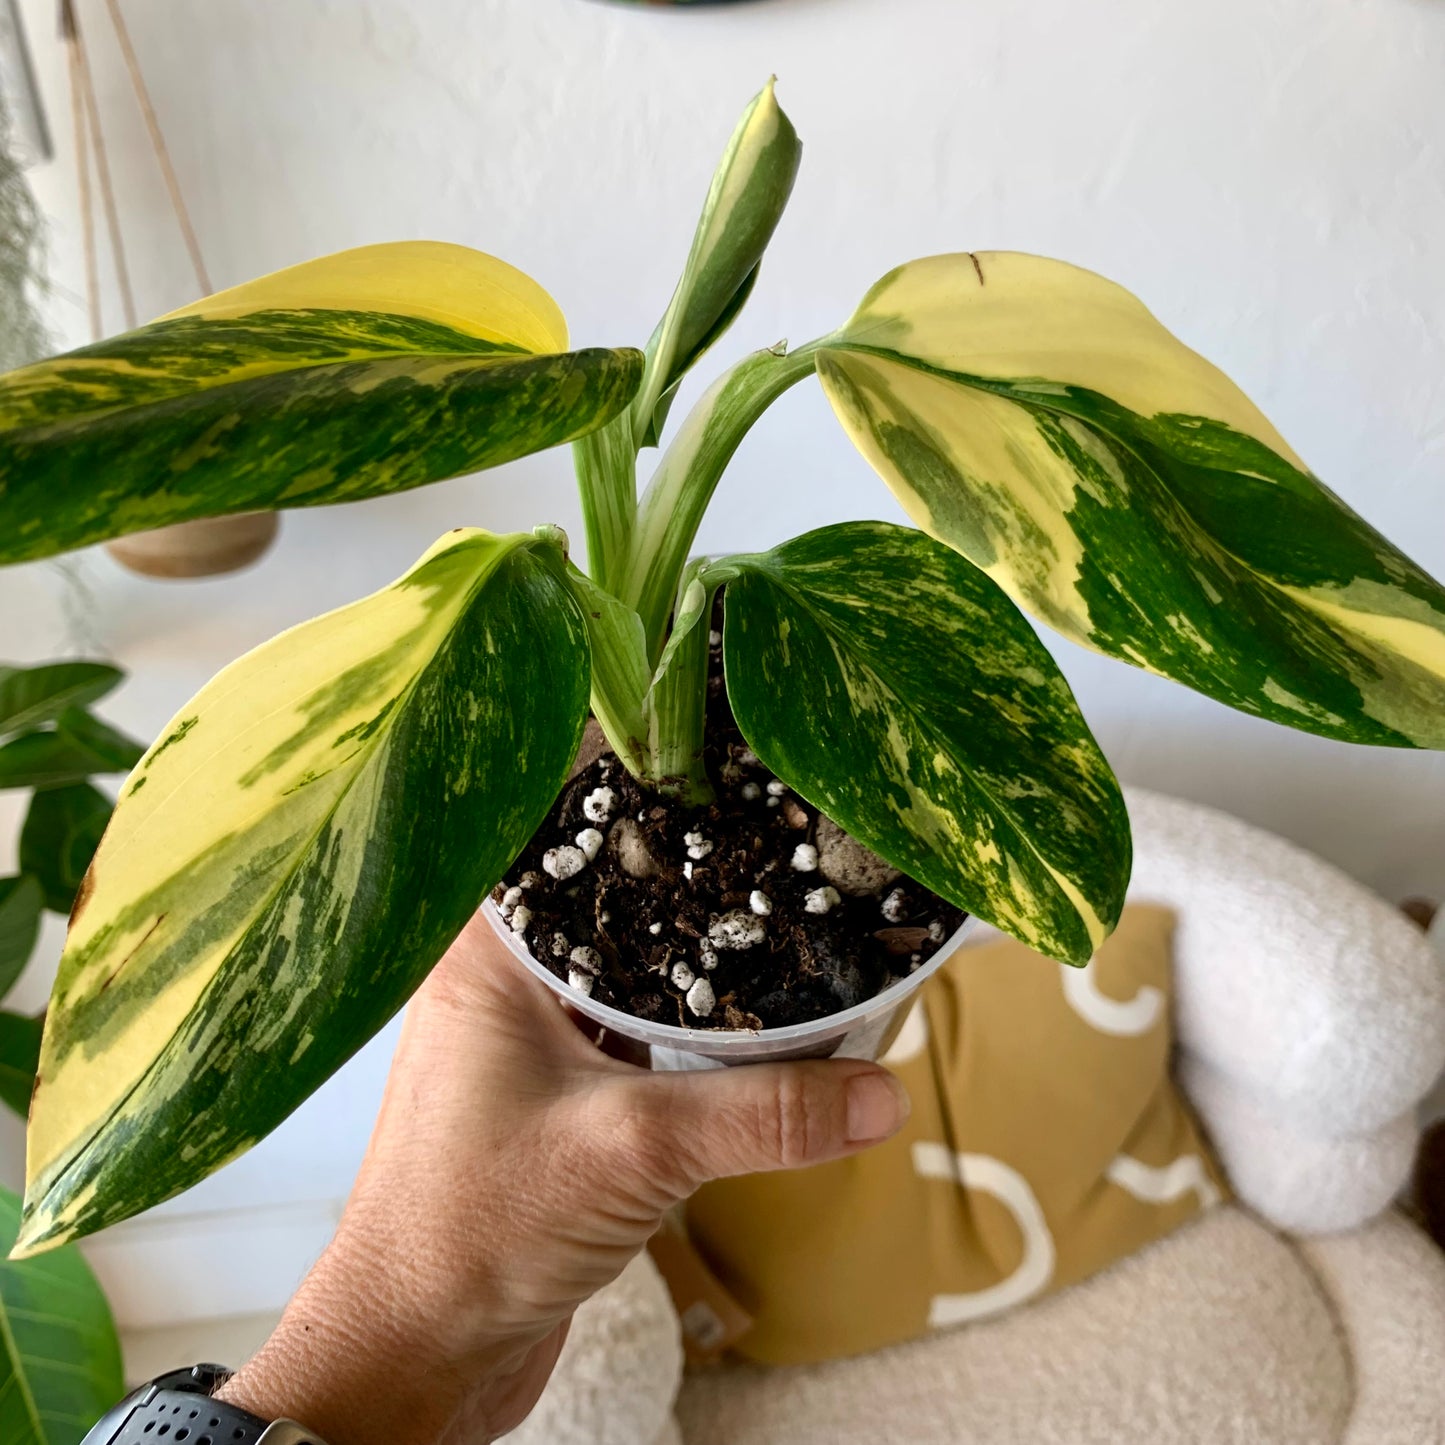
x: 864, y: 1031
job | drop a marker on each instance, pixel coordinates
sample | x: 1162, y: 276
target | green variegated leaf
x: 19, y: 1055
x: 21, y: 902
x: 31, y: 695
x: 59, y: 837
x: 749, y: 191
x: 1037, y: 418
x: 619, y: 667
x: 287, y: 863
x: 899, y: 690
x: 352, y: 376
x: 60, y: 1366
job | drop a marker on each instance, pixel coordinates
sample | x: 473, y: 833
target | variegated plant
x: 306, y: 836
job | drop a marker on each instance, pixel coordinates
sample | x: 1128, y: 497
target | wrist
x: 350, y: 1360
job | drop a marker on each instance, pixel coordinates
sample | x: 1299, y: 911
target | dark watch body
x: 178, y: 1409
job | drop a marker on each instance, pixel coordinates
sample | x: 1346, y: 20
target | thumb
x: 719, y: 1122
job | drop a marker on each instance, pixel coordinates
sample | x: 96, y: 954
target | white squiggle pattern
x: 1163, y: 1184
x: 1126, y: 1019
x: 1010, y: 1188
x: 912, y: 1038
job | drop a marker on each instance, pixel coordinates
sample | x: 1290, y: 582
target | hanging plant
x: 22, y: 334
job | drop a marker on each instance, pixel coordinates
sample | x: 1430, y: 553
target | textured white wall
x: 1269, y: 175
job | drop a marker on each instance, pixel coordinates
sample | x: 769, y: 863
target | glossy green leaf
x: 619, y: 667
x: 21, y: 902
x: 80, y: 747
x: 287, y: 863
x: 60, y: 835
x: 19, y: 1058
x: 896, y: 688
x: 1040, y: 420
x: 60, y: 1364
x: 32, y: 695
x: 353, y: 376
x: 749, y: 191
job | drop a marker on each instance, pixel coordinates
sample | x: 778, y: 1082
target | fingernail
x: 878, y: 1105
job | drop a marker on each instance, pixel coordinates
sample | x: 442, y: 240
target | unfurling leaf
x: 60, y: 1367
x: 896, y: 688
x: 1037, y: 418
x: 288, y: 862
x: 352, y: 376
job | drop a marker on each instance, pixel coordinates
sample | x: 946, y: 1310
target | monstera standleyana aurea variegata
x: 304, y: 839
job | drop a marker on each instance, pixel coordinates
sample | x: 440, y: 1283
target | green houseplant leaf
x: 80, y: 747
x: 32, y: 695
x: 352, y: 376
x: 288, y: 862
x: 21, y: 901
x: 19, y: 1058
x: 60, y: 835
x: 895, y: 687
x: 1114, y: 483
x: 60, y: 1365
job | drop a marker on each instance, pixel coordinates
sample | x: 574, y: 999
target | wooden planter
x: 205, y: 548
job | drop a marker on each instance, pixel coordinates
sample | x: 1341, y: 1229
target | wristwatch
x: 178, y: 1409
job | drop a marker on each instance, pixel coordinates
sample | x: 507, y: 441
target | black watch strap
x: 178, y: 1409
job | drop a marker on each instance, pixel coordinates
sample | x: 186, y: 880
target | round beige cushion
x: 1220, y: 1332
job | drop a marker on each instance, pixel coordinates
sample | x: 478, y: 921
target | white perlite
x: 714, y: 638
x: 895, y: 906
x: 687, y: 871
x: 597, y: 806
x: 805, y: 858
x: 682, y: 976
x: 707, y: 958
x: 748, y: 758
x: 521, y: 917
x: 588, y: 960
x: 701, y: 999
x: 510, y: 899
x: 530, y: 879
x: 698, y: 847
x: 582, y: 982
x: 654, y: 928
x: 822, y: 900
x: 777, y: 787
x: 589, y: 840
x: 751, y: 792
x: 564, y: 862
x: 760, y: 903
x: 935, y: 930
x: 561, y: 945
x: 737, y: 929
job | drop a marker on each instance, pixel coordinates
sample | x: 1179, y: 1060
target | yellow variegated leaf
x: 287, y: 862
x: 1040, y: 420
x: 351, y: 376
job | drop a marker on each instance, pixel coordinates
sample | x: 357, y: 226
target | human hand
x: 513, y: 1171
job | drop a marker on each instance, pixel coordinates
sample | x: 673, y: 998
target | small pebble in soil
x: 582, y: 982
x: 751, y: 792
x: 510, y: 899
x: 587, y: 960
x: 698, y: 847
x: 895, y: 906
x: 701, y: 999
x: 654, y: 928
x: 805, y: 858
x: 682, y: 976
x: 521, y: 918
x: 760, y: 903
x: 795, y: 816
x: 597, y: 806
x: 822, y: 900
x: 707, y: 957
x: 589, y: 840
x: 530, y: 879
x: 777, y: 787
x: 563, y: 863
x: 775, y: 802
x: 737, y: 930
x: 714, y: 638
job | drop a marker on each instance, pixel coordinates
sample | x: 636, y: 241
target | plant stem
x: 606, y: 466
x: 681, y: 488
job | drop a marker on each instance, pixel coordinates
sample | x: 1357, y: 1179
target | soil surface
x: 754, y: 912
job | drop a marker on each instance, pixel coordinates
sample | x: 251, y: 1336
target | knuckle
x: 796, y: 1121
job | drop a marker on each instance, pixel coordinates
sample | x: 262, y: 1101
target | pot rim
x: 674, y: 1036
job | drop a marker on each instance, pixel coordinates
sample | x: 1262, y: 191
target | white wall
x: 1268, y: 174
